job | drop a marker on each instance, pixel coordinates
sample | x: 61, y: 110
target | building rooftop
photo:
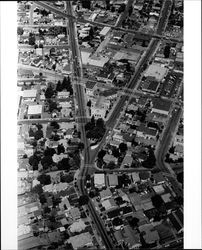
x: 80, y: 240
x: 34, y: 110
x: 99, y: 179
x: 155, y: 70
x: 31, y: 93
x: 113, y: 180
x: 161, y: 104
x: 105, y: 194
x: 104, y: 31
x: 90, y: 84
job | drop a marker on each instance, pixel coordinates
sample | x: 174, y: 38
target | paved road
x: 82, y: 112
x: 164, y: 145
x: 28, y: 121
x: 27, y: 46
x: 45, y: 72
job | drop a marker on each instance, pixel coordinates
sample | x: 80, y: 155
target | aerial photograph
x: 100, y: 124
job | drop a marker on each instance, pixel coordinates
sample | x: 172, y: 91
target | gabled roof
x: 90, y: 84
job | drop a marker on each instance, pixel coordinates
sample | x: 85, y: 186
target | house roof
x: 108, y: 158
x: 90, y: 84
x: 99, y: 179
x: 158, y: 177
x: 109, y: 92
x: 156, y: 71
x: 161, y: 104
x: 35, y: 109
x: 31, y: 93
x: 107, y: 204
x: 80, y: 240
x: 75, y: 212
x: 105, y: 193
x: 113, y: 179
x: 147, y: 131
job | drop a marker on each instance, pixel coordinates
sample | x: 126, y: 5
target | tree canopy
x: 83, y: 200
x: 44, y: 179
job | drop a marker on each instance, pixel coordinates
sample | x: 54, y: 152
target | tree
x: 83, y: 200
x: 42, y: 199
x: 49, y: 92
x: 93, y: 120
x: 89, y: 126
x: 55, y: 125
x: 39, y: 126
x: 60, y: 149
x: 67, y: 178
x: 64, y: 164
x: 34, y: 161
x: 115, y: 152
x: 130, y: 11
x: 121, y: 8
x: 167, y: 51
x: 81, y: 146
x: 59, y: 86
x: 150, y: 161
x: 44, y: 179
x: 123, y: 147
x: 20, y: 31
x: 47, y: 210
x: 100, y: 123
x: 38, y: 134
x: 53, y: 106
x: 157, y: 201
x: 111, y: 165
x: 49, y: 151
x: 47, y: 162
x: 86, y: 4
x: 112, y: 8
x: 180, y: 177
x: 41, y: 46
x: 134, y: 222
x: 172, y: 150
x: 32, y: 39
x: 89, y: 103
x: 37, y: 189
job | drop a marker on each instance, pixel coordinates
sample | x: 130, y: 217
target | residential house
x: 150, y: 234
x: 81, y: 240
x: 109, y: 204
x: 110, y: 158
x: 105, y: 194
x: 90, y: 87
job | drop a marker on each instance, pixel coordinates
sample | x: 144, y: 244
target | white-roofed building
x: 29, y: 94
x: 105, y: 194
x: 105, y: 31
x: 77, y: 226
x: 156, y: 71
x: 109, y: 204
x: 135, y: 177
x: 34, y: 111
x: 159, y: 189
x: 99, y: 180
x: 81, y: 240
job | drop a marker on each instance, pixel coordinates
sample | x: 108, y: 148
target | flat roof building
x: 113, y: 180
x: 105, y: 31
x: 99, y: 180
x: 156, y: 71
x: 34, y: 110
x: 31, y: 93
x: 161, y: 106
